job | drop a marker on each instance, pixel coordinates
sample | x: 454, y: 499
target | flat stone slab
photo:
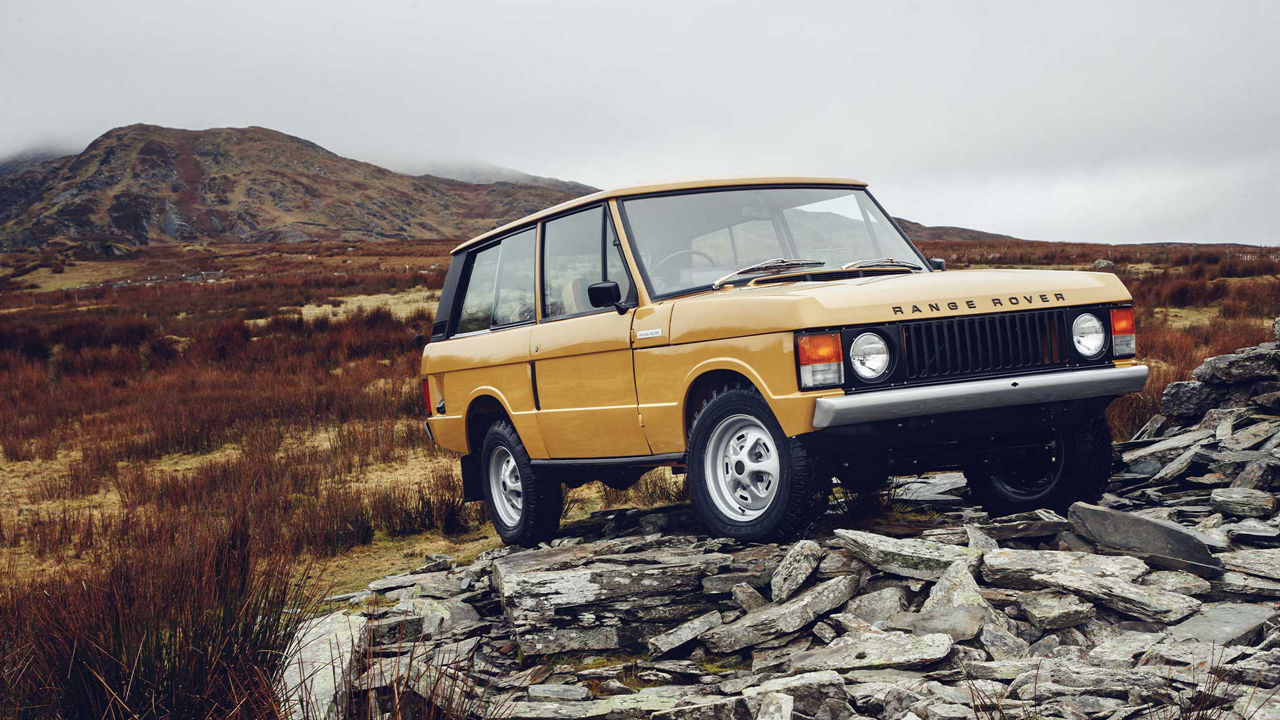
x: 556, y: 693
x: 1160, y: 542
x: 1263, y: 563
x: 1037, y: 523
x: 681, y: 634
x: 1018, y: 568
x: 1243, y: 502
x: 921, y: 559
x: 771, y: 621
x: 1225, y: 623
x: 874, y: 649
x: 794, y: 569
x: 318, y: 672
x: 1145, y: 603
x: 1054, y: 609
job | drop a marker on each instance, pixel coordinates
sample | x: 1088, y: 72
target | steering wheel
x: 657, y: 268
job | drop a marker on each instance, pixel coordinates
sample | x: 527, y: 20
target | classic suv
x: 766, y: 336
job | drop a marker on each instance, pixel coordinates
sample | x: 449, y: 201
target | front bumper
x: 978, y: 395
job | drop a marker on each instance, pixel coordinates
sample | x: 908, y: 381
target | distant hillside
x: 483, y: 172
x: 918, y: 232
x: 143, y: 184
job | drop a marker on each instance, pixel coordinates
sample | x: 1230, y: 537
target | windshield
x: 691, y: 240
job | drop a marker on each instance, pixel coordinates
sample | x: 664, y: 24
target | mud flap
x: 472, y: 479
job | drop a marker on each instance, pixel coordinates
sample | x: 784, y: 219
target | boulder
x: 1104, y: 265
x: 1145, y: 603
x: 1160, y: 542
x: 318, y: 672
x: 794, y: 569
x: 1243, y: 502
x: 1252, y: 364
x: 912, y: 558
x: 1189, y: 398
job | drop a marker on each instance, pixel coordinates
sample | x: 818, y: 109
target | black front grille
x: 986, y: 344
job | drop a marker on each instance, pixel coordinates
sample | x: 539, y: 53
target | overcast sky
x: 1090, y: 121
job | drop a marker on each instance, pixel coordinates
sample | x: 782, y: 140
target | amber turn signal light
x: 1124, y: 340
x: 821, y: 360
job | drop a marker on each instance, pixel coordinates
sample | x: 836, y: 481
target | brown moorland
x: 196, y: 418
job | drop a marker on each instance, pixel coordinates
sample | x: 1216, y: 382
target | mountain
x: 918, y: 232
x: 483, y: 173
x: 142, y: 184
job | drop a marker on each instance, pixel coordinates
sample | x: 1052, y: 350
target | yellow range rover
x: 767, y: 337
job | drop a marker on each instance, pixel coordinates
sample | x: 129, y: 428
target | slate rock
x: 681, y: 634
x: 1146, y: 603
x: 922, y: 559
x: 747, y: 597
x: 1253, y: 364
x: 878, y: 606
x: 770, y: 621
x: 1189, y: 398
x: 776, y: 706
x: 1176, y: 581
x: 1262, y: 563
x: 795, y: 568
x: 874, y: 649
x: 555, y: 693
x: 1225, y: 623
x: 809, y: 691
x: 1252, y: 531
x: 1160, y: 542
x: 958, y: 623
x: 1000, y: 644
x: 1243, y: 502
x: 1012, y: 568
x: 1053, y: 609
x: 1123, y: 652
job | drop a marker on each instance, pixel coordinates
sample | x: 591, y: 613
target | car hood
x: 774, y: 307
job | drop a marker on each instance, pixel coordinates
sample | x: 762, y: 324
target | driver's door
x: 584, y: 378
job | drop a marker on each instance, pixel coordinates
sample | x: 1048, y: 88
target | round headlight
x: 1088, y: 335
x: 870, y: 356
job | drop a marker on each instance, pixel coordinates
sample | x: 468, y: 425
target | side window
x: 477, y: 303
x: 515, y: 280
x: 578, y: 250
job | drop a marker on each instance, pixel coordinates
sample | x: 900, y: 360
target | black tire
x: 799, y: 496
x: 542, y: 501
x: 1074, y: 466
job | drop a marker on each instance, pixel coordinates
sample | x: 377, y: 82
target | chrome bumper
x: 978, y: 395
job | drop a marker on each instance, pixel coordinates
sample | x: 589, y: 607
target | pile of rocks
x: 1166, y: 594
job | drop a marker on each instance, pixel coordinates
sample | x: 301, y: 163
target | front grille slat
x: 978, y: 345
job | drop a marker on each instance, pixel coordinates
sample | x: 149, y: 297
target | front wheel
x: 525, y: 509
x: 1066, y: 465
x: 749, y: 481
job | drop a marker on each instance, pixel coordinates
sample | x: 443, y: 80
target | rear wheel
x: 525, y: 509
x: 749, y: 481
x: 1068, y: 464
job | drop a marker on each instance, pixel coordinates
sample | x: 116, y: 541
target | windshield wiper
x: 768, y: 266
x: 879, y: 262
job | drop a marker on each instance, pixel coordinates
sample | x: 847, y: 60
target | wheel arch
x: 706, y: 382
x: 482, y: 410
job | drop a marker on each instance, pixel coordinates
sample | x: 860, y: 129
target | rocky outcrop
x: 1164, y: 593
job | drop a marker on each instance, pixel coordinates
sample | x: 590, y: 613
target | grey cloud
x: 1090, y: 121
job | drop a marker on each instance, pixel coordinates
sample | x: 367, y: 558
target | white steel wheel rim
x: 505, y: 487
x: 742, y: 468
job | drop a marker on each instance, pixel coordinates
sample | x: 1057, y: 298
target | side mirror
x: 937, y: 263
x: 606, y: 294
